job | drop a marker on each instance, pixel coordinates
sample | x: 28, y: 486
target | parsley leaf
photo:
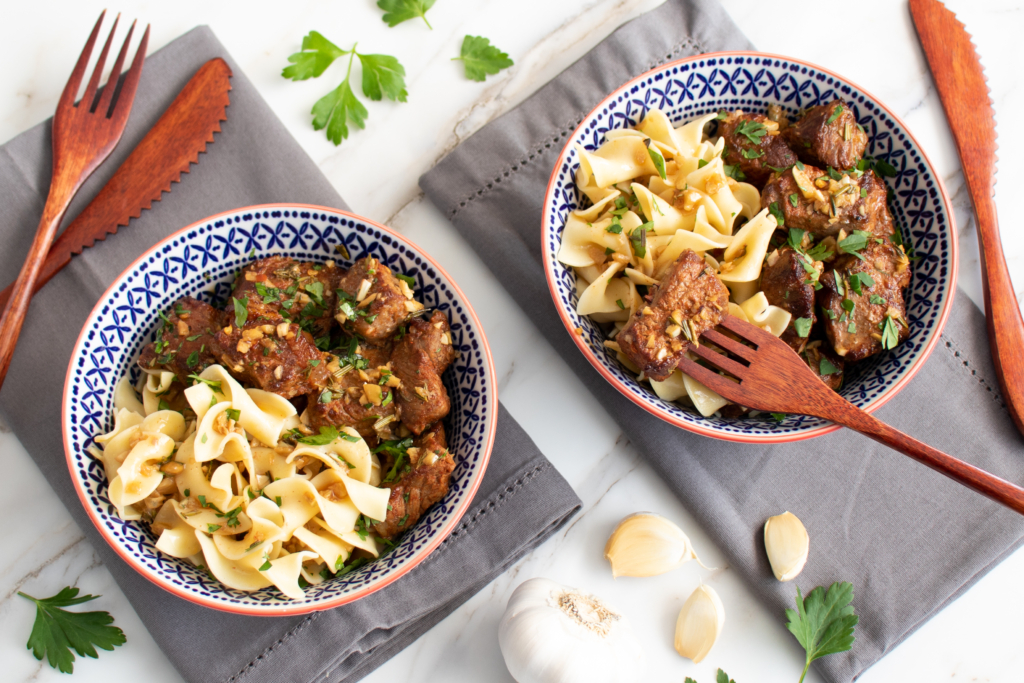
x: 241, y: 312
x: 334, y: 110
x: 802, y: 326
x: 794, y: 199
x: 836, y: 113
x: 823, y: 622
x: 638, y: 240
x: 326, y: 436
x: 316, y: 55
x: 383, y: 76
x: 723, y: 677
x: 778, y: 417
x: 753, y: 131
x: 734, y: 172
x: 890, y: 334
x: 855, y: 242
x: 774, y: 210
x: 214, y: 385
x: 825, y: 367
x: 397, y: 11
x: 658, y: 159
x: 480, y: 58
x: 56, y: 631
x: 752, y: 153
x: 858, y: 279
x: 877, y: 300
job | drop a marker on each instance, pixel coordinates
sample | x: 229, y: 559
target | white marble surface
x: 977, y: 638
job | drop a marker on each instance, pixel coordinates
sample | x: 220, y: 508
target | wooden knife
x: 171, y: 145
x: 960, y: 81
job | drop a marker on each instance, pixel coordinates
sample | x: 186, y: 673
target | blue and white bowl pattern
x: 690, y: 88
x: 201, y: 261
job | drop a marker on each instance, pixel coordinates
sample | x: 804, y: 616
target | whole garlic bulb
x: 646, y: 544
x: 552, y: 633
x: 699, y: 624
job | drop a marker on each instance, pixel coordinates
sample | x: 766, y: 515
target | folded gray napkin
x: 521, y: 501
x: 908, y: 539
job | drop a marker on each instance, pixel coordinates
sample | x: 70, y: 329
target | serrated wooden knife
x: 167, y: 151
x: 960, y: 81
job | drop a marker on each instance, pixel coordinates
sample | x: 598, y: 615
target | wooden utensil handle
x: 999, y: 490
x: 13, y: 316
x: 1002, y: 313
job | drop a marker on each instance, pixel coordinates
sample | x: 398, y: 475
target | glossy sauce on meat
x: 689, y: 294
x: 419, y: 359
x: 828, y: 135
x: 359, y: 398
x: 187, y: 343
x: 419, y: 481
x: 372, y: 303
x: 787, y: 284
x: 753, y: 144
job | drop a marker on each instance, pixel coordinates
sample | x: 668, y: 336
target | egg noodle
x: 228, y: 492
x: 657, y: 190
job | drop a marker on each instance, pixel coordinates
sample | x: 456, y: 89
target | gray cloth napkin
x: 908, y: 539
x: 521, y: 501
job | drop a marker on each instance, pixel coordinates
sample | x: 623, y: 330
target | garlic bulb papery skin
x: 646, y: 544
x: 552, y: 633
x: 699, y: 624
x: 787, y: 543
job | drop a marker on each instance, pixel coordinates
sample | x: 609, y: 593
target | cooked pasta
x: 240, y: 487
x: 657, y: 191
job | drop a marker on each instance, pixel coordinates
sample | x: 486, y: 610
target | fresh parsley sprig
x: 397, y: 11
x: 480, y: 58
x: 722, y: 677
x: 383, y: 76
x: 56, y: 631
x: 823, y: 622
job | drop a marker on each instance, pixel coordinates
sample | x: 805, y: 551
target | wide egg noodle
x: 137, y: 477
x: 745, y: 254
x: 263, y: 425
x: 596, y: 298
x: 657, y: 125
x: 666, y: 217
x: 332, y: 550
x: 177, y: 538
x: 579, y: 239
x: 284, y: 572
x: 590, y: 214
x: 690, y: 135
x: 125, y: 398
x: 158, y: 383
x: 232, y: 573
x: 680, y: 242
x: 617, y: 160
x: 706, y: 401
x: 586, y: 182
x: 213, y: 443
x: 262, y: 532
x: 770, y: 318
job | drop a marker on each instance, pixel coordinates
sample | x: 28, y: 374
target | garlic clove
x: 787, y: 543
x: 699, y: 624
x: 645, y: 544
x: 552, y: 633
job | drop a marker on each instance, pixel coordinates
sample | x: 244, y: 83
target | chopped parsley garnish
x: 210, y: 528
x: 752, y: 130
x: 352, y: 439
x: 778, y: 417
x: 266, y: 563
x: 836, y: 113
x: 802, y: 327
x: 326, y: 396
x: 825, y: 367
x: 656, y: 158
x: 233, y: 414
x: 618, y: 302
x: 855, y: 242
x: 193, y: 359
x: 796, y: 238
x: 852, y: 329
x: 701, y: 163
x: 397, y: 450
x: 820, y: 252
x: 241, y: 312
x: 848, y: 305
x: 752, y: 153
x: 616, y: 227
x: 232, y: 516
x: 193, y: 337
x: 215, y: 385
x: 638, y: 240
x: 408, y: 280
x: 774, y: 210
x: 863, y: 192
x: 794, y: 199
x: 352, y: 565
x: 734, y: 172
x: 890, y: 333
x: 857, y: 279
x: 163, y: 405
x: 877, y: 300
x: 326, y: 436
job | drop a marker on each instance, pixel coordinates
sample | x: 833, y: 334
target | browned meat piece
x: 279, y: 286
x: 753, y: 143
x: 809, y: 199
x: 186, y: 344
x: 272, y: 354
x: 419, y: 359
x: 825, y: 363
x: 374, y: 302
x: 361, y: 395
x: 688, y: 300
x: 856, y: 323
x: 787, y: 284
x: 828, y: 135
x: 420, y: 479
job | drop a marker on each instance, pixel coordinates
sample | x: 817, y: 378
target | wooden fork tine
x: 131, y: 81
x: 103, y: 107
x: 729, y: 344
x: 719, y: 360
x: 712, y: 380
x: 97, y: 71
x: 67, y: 98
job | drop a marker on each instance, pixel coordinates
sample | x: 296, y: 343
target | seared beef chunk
x: 186, y: 344
x: 810, y: 199
x: 688, y: 300
x: 419, y: 359
x: 359, y: 393
x: 752, y: 144
x: 372, y: 302
x: 787, y: 284
x: 279, y: 286
x: 417, y: 480
x: 272, y: 354
x: 828, y: 135
x: 856, y: 323
x: 825, y: 364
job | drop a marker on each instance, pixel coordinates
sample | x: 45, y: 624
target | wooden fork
x: 772, y: 377
x: 84, y: 134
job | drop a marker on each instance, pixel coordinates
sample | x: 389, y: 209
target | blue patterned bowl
x: 200, y: 261
x: 691, y: 87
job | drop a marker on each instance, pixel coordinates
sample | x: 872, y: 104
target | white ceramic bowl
x: 688, y: 88
x: 200, y: 261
